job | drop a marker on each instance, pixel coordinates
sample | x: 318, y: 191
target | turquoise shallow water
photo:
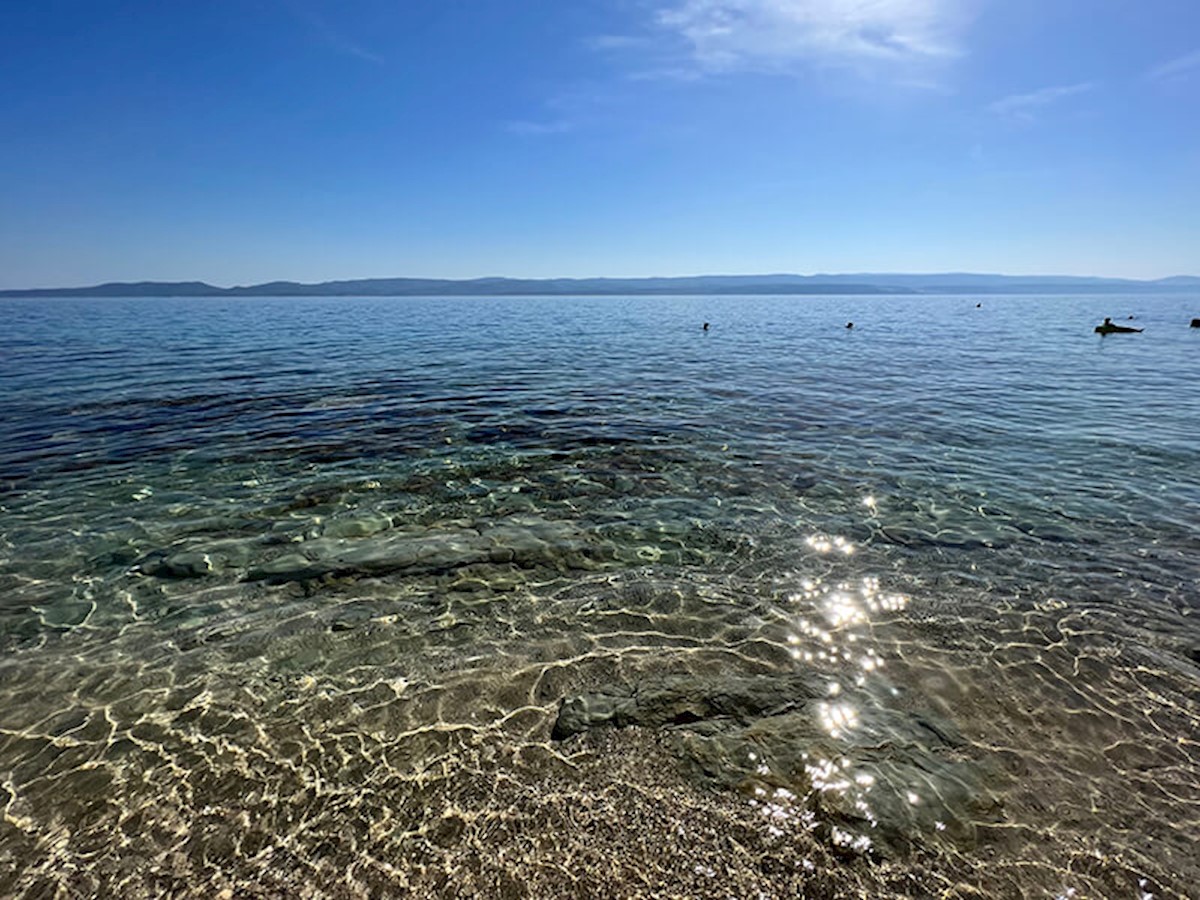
x: 292, y: 590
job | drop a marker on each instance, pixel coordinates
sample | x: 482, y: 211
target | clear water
x: 291, y: 592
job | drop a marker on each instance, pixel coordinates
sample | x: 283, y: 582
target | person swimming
x: 1107, y: 327
x: 705, y: 326
x: 849, y: 324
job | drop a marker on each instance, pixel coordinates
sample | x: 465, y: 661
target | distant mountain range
x: 865, y: 283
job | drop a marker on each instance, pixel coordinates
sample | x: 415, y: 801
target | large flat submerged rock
x: 370, y: 546
x: 870, y: 778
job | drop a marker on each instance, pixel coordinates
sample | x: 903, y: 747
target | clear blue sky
x: 238, y: 141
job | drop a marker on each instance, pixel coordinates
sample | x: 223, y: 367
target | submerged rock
x: 289, y: 567
x: 681, y: 700
x: 873, y: 778
x: 194, y: 562
x: 356, y: 526
x: 67, y: 614
x: 524, y: 542
x: 186, y: 564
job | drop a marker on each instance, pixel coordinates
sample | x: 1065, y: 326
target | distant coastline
x: 863, y: 283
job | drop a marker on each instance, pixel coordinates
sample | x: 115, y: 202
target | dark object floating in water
x: 1109, y: 328
x: 1196, y: 323
x: 706, y: 326
x: 849, y: 324
x: 978, y: 305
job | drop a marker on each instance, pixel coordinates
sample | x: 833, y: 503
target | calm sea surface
x: 567, y: 597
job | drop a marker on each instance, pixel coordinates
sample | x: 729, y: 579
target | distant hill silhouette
x: 863, y: 283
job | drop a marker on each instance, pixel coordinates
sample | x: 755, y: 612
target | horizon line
x: 813, y: 277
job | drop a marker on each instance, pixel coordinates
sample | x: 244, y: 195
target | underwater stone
x: 235, y: 553
x: 684, y: 699
x: 289, y: 567
x: 623, y: 484
x: 501, y: 555
x: 359, y: 526
x: 396, y: 553
x: 804, y: 482
x: 1048, y: 531
x: 67, y: 615
x: 583, y: 713
x: 527, y: 542
x: 347, y: 619
x: 186, y: 564
x: 426, y: 553
x: 189, y: 564
x: 897, y: 778
x: 210, y: 559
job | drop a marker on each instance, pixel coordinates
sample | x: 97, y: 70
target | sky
x: 240, y: 141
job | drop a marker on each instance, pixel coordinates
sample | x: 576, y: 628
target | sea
x: 508, y: 597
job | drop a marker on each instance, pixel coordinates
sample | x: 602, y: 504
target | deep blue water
x: 292, y: 500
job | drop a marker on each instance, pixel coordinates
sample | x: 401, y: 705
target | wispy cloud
x: 530, y: 128
x: 345, y: 45
x: 331, y: 36
x: 869, y: 35
x: 1026, y: 106
x: 618, y: 42
x: 571, y: 108
x: 906, y: 42
x: 1175, y: 68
